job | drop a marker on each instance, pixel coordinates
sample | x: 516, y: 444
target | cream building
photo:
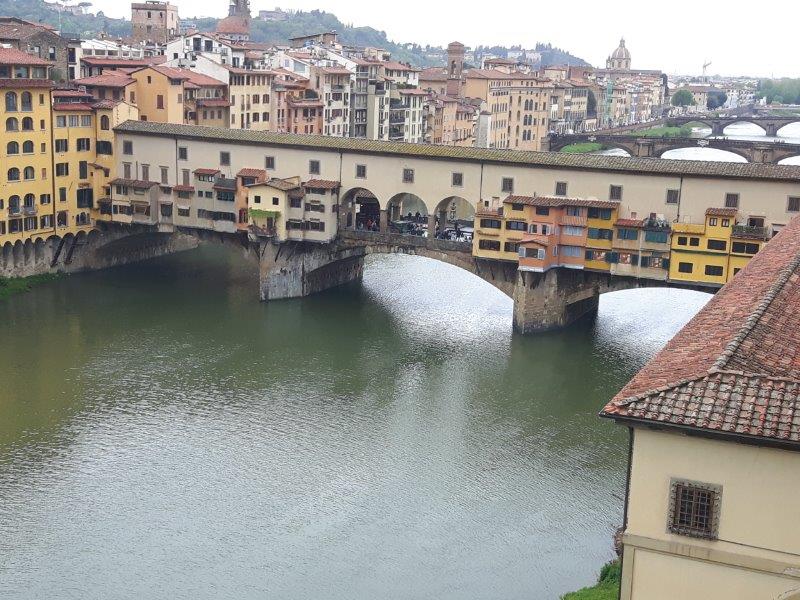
x: 712, y: 505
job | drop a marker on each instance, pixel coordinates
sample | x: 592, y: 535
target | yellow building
x: 160, y: 94
x: 713, y: 252
x: 600, y: 233
x: 26, y: 188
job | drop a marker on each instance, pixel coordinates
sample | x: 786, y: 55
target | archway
x: 744, y: 128
x: 706, y: 154
x: 455, y: 218
x: 790, y: 160
x: 360, y: 209
x: 407, y: 214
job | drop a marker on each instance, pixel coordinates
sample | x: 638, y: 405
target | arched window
x: 13, y: 174
x: 12, y: 148
x: 11, y: 101
x: 30, y: 200
x: 27, y: 147
x: 27, y: 124
x: 29, y: 173
x: 12, y: 124
x: 105, y: 124
x: 13, y: 204
x: 26, y: 100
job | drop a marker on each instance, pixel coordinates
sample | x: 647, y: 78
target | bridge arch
x: 790, y: 160
x: 714, y: 154
x: 401, y: 205
x: 359, y: 206
x: 726, y: 124
x: 454, y: 210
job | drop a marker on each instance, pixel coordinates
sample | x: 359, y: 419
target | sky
x: 751, y: 40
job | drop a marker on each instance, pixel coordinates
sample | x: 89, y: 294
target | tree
x: 716, y: 98
x: 683, y: 98
x: 591, y: 104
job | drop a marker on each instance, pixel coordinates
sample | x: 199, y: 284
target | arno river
x: 165, y: 435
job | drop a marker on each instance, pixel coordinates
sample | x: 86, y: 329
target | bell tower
x: 455, y: 68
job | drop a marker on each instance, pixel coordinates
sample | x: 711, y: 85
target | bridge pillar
x: 432, y: 225
x: 552, y: 300
x: 385, y: 221
x: 717, y: 129
x: 771, y: 129
x: 298, y: 269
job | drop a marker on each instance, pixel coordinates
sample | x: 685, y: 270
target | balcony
x: 14, y: 211
x: 29, y: 211
x: 750, y: 232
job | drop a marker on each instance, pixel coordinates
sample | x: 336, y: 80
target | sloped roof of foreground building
x: 734, y: 369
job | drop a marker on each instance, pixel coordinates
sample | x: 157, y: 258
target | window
x: 84, y: 144
x: 183, y: 153
x: 73, y: 120
x: 731, y: 200
x: 146, y: 172
x: 127, y: 148
x: 572, y: 230
x: 26, y: 102
x: 275, y: 201
x: 165, y: 175
x: 658, y: 237
x: 27, y: 147
x: 561, y: 188
x: 86, y: 120
x: 717, y: 245
x: 726, y: 222
x: 694, y: 242
x: 511, y: 247
x: 159, y: 102
x: 62, y: 145
x: 694, y: 509
x: 685, y: 267
x: 12, y: 124
x: 507, y: 185
x: 713, y: 221
x: 269, y: 163
x: 313, y: 167
x: 744, y: 248
x: 225, y: 159
x: 490, y: 223
x: 11, y: 102
x: 600, y: 213
x: 361, y: 171
x: 29, y: 173
x: 574, y: 211
x: 106, y: 148
x: 794, y: 204
x: 105, y: 123
x: 61, y: 121
x: 615, y: 192
x: 572, y: 251
x: 12, y: 148
x: 489, y: 245
x: 126, y: 170
x: 627, y: 234
x: 13, y: 174
x: 542, y: 211
x: 458, y: 181
x: 408, y: 175
x: 516, y: 225
x: 599, y: 234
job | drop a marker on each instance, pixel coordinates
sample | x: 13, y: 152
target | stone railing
x: 399, y: 239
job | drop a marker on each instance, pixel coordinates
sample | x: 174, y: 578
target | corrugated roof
x: 734, y: 369
x: 593, y: 162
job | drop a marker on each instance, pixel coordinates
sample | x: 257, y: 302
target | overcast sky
x: 738, y: 38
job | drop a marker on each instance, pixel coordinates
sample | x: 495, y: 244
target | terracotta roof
x: 722, y: 212
x: 171, y: 73
x: 213, y: 102
x: 556, y: 201
x: 12, y: 56
x: 235, y: 25
x: 200, y: 79
x: 433, y: 74
x: 323, y: 184
x: 398, y: 66
x: 65, y: 106
x: 629, y: 223
x: 27, y: 83
x: 258, y: 174
x: 105, y: 104
x: 123, y: 62
x: 734, y: 369
x: 183, y: 188
x: 137, y: 183
x: 583, y: 162
x: 281, y: 184
x: 206, y: 171
x: 336, y: 71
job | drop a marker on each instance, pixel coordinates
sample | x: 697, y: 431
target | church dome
x: 621, y: 53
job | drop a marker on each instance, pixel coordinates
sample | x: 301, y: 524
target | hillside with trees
x: 297, y: 23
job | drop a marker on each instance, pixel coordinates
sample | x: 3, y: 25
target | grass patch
x: 607, y: 587
x: 667, y: 132
x: 19, y: 285
x: 582, y: 148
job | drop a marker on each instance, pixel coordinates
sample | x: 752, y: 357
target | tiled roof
x: 734, y: 370
x: 629, y: 223
x: 82, y: 106
x: 323, y: 184
x: 27, y: 83
x: 183, y: 188
x: 123, y: 62
x: 259, y: 174
x: 590, y: 162
x: 433, y: 74
x: 213, y: 102
x: 137, y: 183
x: 105, y: 104
x: 556, y: 201
x: 281, y: 184
x: 12, y: 56
x: 222, y: 183
x: 206, y: 171
x: 107, y: 79
x: 722, y: 212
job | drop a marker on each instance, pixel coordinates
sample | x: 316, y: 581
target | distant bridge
x: 654, y: 147
x: 769, y: 124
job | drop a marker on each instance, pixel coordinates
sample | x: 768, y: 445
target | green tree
x: 716, y: 98
x: 683, y: 98
x: 591, y: 104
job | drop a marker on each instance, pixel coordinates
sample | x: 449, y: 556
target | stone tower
x: 455, y: 68
x: 239, y: 8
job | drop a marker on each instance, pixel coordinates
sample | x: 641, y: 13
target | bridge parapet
x: 411, y: 241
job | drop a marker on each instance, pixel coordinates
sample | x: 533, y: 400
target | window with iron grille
x: 225, y: 159
x: 408, y: 175
x: 269, y: 163
x: 694, y: 509
x: 507, y: 185
x: 361, y: 171
x: 794, y: 204
x: 313, y: 167
x: 615, y: 192
x: 561, y: 188
x: 731, y: 200
x: 458, y: 179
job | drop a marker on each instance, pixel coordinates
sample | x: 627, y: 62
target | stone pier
x: 554, y: 299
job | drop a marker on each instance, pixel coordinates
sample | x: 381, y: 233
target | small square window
x: 694, y: 241
x: 673, y: 196
x: 269, y: 163
x: 731, y: 200
x: 183, y: 153
x: 694, y: 509
x: 794, y: 204
x: 408, y: 175
x: 561, y: 188
x: 127, y: 148
x: 615, y: 192
x: 225, y: 159
x: 257, y: 199
x: 275, y: 201
x: 712, y: 222
x: 361, y: 171
x: 313, y: 167
x: 458, y: 179
x: 507, y: 185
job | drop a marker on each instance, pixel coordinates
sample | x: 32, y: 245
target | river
x: 738, y: 131
x: 165, y: 435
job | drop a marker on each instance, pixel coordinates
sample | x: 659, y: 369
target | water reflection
x: 177, y: 438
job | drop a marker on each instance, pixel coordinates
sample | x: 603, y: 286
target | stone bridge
x: 769, y: 124
x: 752, y: 151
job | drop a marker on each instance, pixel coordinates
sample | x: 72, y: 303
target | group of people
x: 369, y: 225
